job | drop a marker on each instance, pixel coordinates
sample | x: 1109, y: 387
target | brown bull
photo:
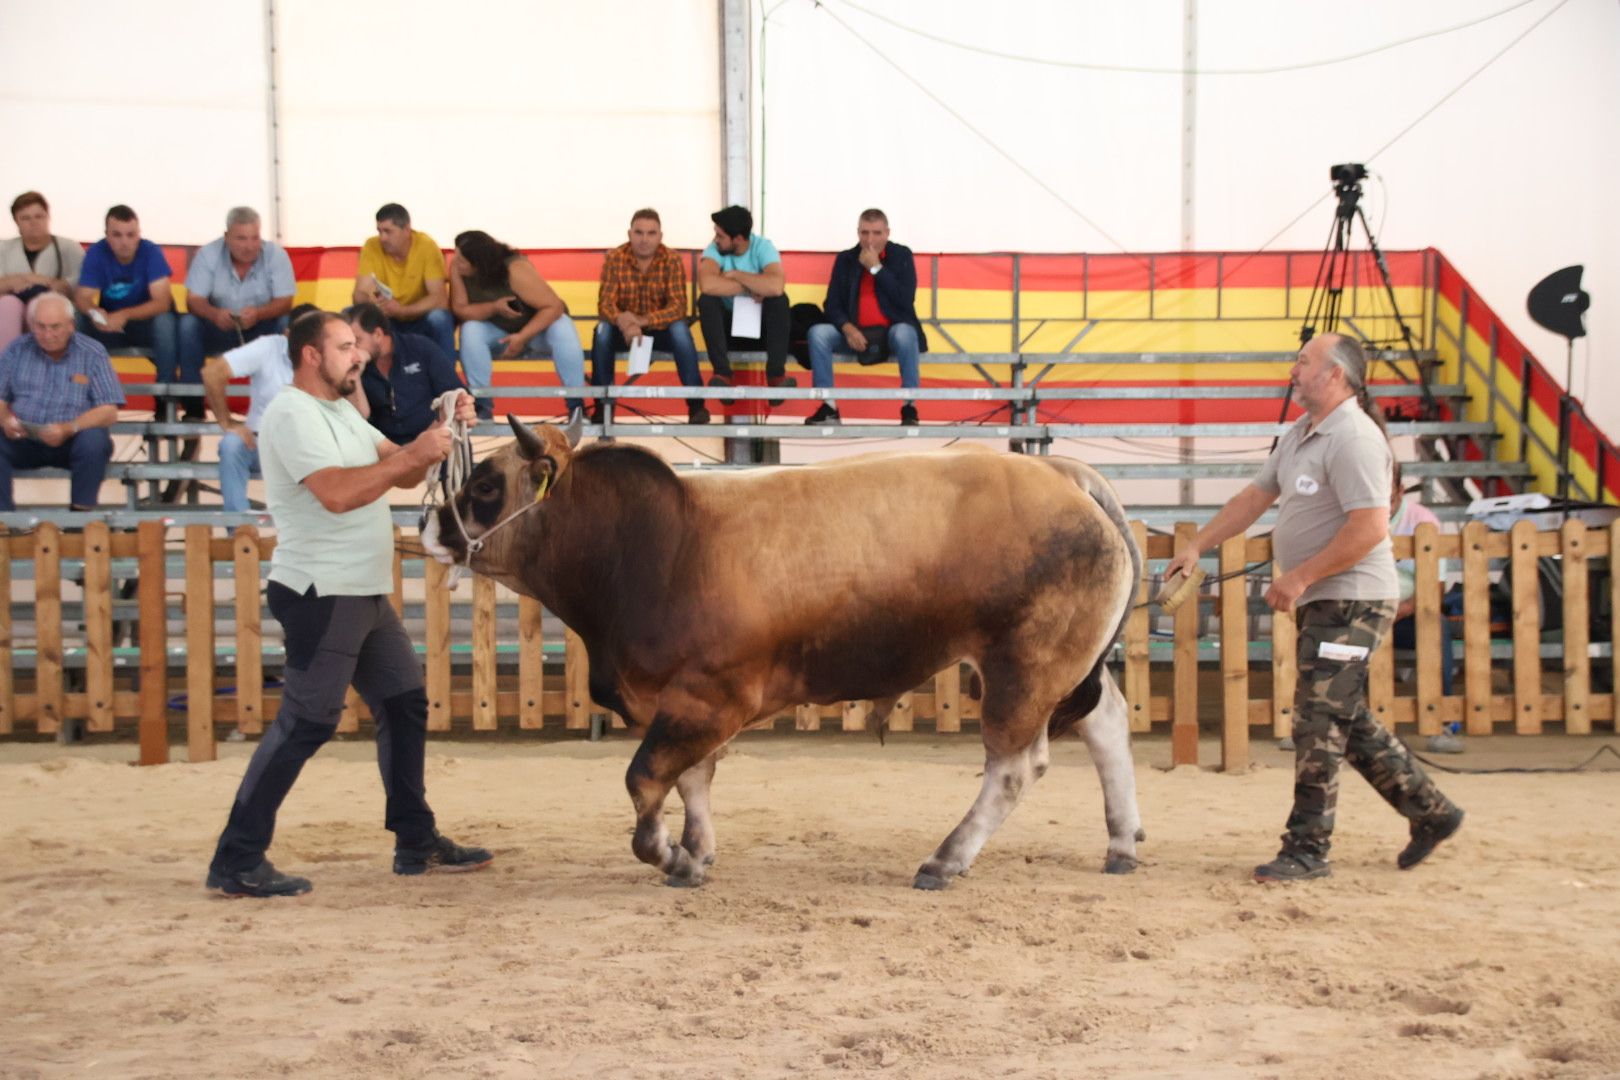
x: 711, y: 601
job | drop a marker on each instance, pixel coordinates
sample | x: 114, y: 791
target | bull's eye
x: 484, y: 489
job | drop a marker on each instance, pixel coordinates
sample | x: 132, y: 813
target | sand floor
x: 807, y: 952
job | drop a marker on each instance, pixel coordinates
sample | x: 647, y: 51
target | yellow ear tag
x: 545, y: 486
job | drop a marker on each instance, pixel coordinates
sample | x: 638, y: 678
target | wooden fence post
x: 436, y: 599
x: 199, y: 644
x: 150, y: 540
x: 855, y: 714
x: 948, y: 699
x: 484, y: 711
x: 48, y: 628
x: 1138, y: 686
x: 1476, y: 630
x: 531, y: 665
x: 1184, y: 705
x: 1426, y: 622
x: 98, y: 644
x: 1234, y: 656
x: 577, y: 678
x: 249, y: 632
x: 901, y: 716
x: 1577, y: 632
x: 1526, y: 629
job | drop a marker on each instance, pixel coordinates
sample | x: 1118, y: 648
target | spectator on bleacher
x: 32, y: 262
x: 402, y: 272
x: 1405, y: 515
x: 58, y: 397
x: 124, y: 300
x: 403, y: 375
x: 264, y: 360
x: 239, y: 288
x: 871, y: 313
x: 643, y: 293
x: 508, y: 306
x: 738, y: 263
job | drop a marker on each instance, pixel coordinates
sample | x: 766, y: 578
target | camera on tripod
x: 1345, y: 175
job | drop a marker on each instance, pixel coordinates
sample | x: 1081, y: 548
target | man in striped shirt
x: 643, y: 293
x: 58, y: 397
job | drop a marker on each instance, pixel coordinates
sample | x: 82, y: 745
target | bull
x: 709, y: 602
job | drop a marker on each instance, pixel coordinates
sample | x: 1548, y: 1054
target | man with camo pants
x: 1334, y: 561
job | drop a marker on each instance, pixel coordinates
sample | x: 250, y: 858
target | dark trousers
x: 608, y: 341
x: 86, y: 453
x: 775, y: 322
x: 334, y: 642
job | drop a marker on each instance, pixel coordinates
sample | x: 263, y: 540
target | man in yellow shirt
x: 402, y: 271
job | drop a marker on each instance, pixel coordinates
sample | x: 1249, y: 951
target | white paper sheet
x: 1333, y: 650
x: 640, y: 355
x: 745, y: 317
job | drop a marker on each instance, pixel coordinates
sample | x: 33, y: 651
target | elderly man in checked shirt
x: 58, y: 397
x: 643, y: 292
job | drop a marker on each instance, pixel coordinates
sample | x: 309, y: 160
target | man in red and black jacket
x: 871, y: 313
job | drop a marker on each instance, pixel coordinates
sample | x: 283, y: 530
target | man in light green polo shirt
x: 327, y: 475
x: 1333, y: 559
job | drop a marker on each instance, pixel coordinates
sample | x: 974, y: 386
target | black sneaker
x: 827, y: 414
x: 594, y: 414
x: 697, y: 414
x: 1427, y: 833
x: 784, y: 382
x: 1287, y: 867
x: 443, y: 855
x: 721, y: 380
x: 908, y: 415
x: 262, y: 881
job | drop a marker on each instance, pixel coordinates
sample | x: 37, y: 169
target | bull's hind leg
x: 667, y: 753
x: 698, y: 836
x: 1107, y: 732
x: 1007, y: 775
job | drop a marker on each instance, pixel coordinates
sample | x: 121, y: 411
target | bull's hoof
x: 675, y: 881
x: 929, y: 882
x: 1119, y: 864
x: 1141, y: 835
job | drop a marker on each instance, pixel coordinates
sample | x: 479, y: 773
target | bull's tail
x: 1083, y: 698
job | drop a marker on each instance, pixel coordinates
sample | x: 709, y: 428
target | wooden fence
x: 107, y: 683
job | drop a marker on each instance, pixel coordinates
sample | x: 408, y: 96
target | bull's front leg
x: 694, y: 784
x: 664, y: 756
x: 1107, y: 731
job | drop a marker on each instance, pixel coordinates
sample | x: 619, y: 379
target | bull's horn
x: 529, y: 444
x: 576, y: 425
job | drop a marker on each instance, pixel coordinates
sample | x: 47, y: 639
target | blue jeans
x: 236, y: 464
x: 86, y: 453
x: 675, y: 338
x: 200, y: 339
x: 826, y: 339
x: 438, y: 324
x: 481, y: 342
x: 160, y: 334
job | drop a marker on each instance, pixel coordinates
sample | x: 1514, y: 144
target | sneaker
x: 262, y: 881
x: 827, y: 414
x: 1427, y: 833
x: 1288, y: 867
x: 908, y: 415
x: 784, y: 382
x: 443, y: 855
x: 594, y: 414
x: 722, y: 380
x: 697, y: 414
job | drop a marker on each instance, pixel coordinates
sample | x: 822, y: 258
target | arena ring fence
x: 130, y: 630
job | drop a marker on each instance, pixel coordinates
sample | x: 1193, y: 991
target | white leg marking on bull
x: 1107, y: 732
x: 698, y: 836
x: 1005, y: 780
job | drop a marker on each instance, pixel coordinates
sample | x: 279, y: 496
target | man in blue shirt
x: 405, y: 373
x: 58, y: 397
x: 738, y: 263
x: 125, y: 299
x: 239, y: 288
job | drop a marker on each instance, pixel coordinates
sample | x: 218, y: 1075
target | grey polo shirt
x: 213, y: 275
x: 1321, y: 475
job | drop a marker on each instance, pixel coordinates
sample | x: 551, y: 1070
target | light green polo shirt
x: 348, y: 554
x: 1322, y: 474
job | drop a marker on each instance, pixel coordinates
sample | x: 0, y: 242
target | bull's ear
x: 530, y: 445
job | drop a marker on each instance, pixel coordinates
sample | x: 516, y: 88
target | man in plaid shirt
x: 58, y: 397
x: 643, y: 293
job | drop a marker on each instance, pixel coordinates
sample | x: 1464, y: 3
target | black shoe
x: 262, y: 881
x: 784, y: 382
x: 908, y: 415
x: 1427, y: 833
x: 827, y: 414
x: 443, y: 855
x: 697, y: 414
x: 1286, y: 867
x: 594, y: 414
x: 722, y: 380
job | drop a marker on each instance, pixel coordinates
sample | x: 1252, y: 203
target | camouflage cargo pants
x: 1332, y: 722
